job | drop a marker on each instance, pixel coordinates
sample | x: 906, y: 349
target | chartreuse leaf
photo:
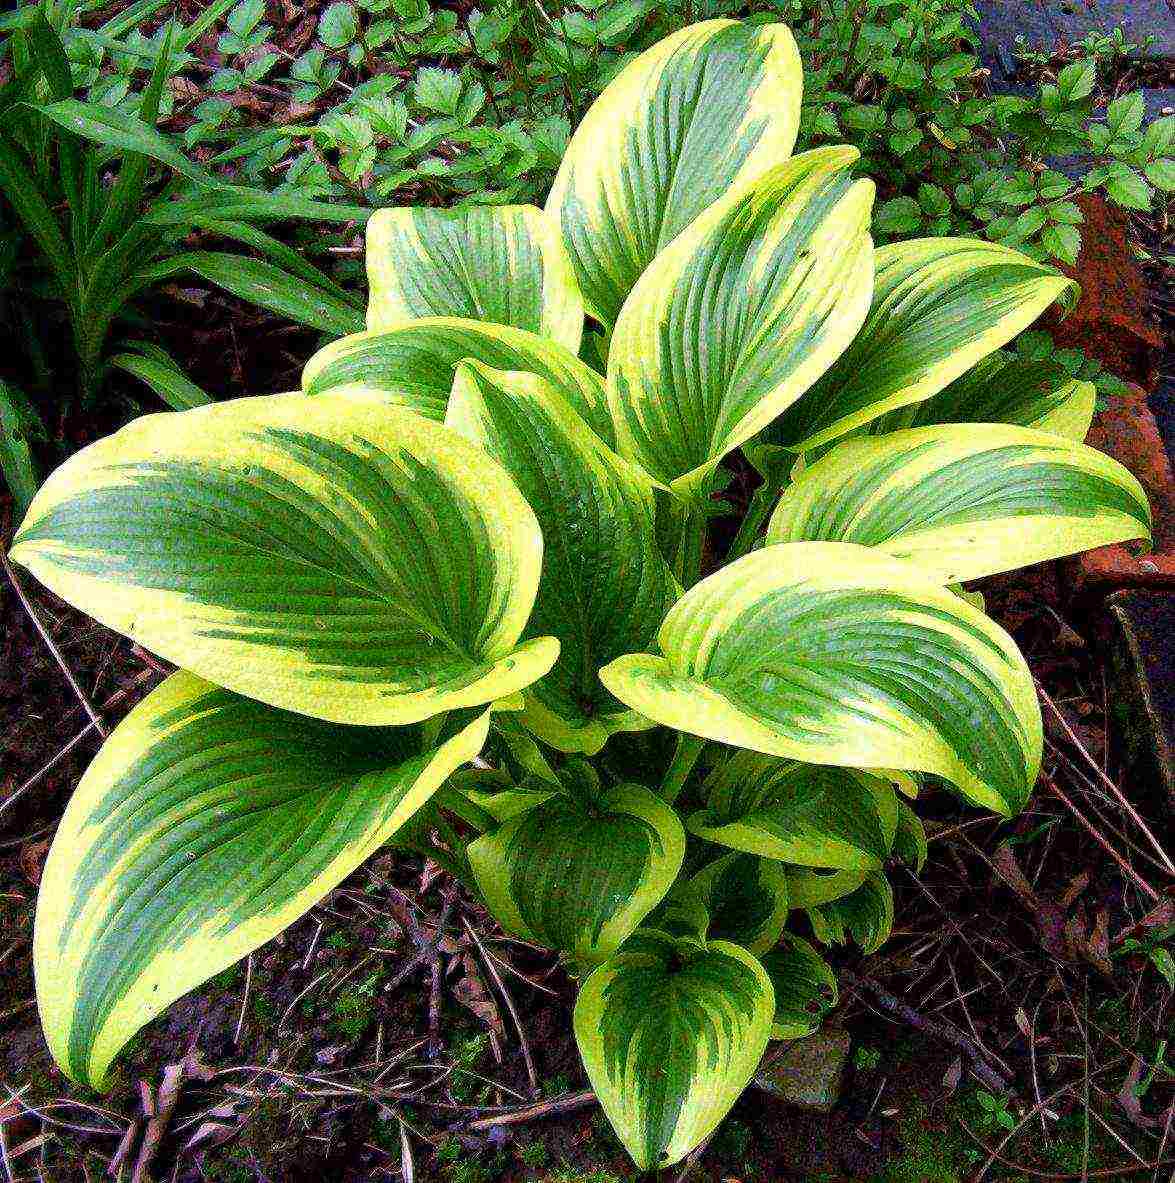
x: 1005, y: 388
x: 580, y: 878
x: 939, y: 306
x: 413, y: 366
x: 807, y: 888
x: 704, y: 110
x: 833, y: 653
x: 964, y: 500
x: 670, y: 1033
x: 805, y: 814
x: 350, y: 561
x: 804, y: 985
x: 207, y: 824
x: 739, y: 315
x: 605, y: 587
x: 505, y: 264
x: 681, y: 913
x: 746, y: 898
x: 865, y: 915
x: 910, y: 841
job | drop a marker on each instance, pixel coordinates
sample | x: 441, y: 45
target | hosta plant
x: 461, y: 539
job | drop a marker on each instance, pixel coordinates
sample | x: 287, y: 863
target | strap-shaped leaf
x: 737, y: 317
x: 580, y: 879
x: 670, y: 1033
x: 605, y: 587
x: 504, y: 264
x: 804, y: 985
x: 833, y: 653
x: 939, y: 305
x: 805, y: 814
x: 207, y: 824
x: 746, y: 899
x: 413, y: 365
x: 865, y: 915
x: 1005, y: 388
x: 349, y: 561
x: 707, y: 108
x: 964, y: 500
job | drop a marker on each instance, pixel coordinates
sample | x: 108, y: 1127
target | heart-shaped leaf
x: 207, y: 824
x: 350, y: 561
x: 804, y: 985
x: 1004, y: 388
x: 605, y: 587
x: 746, y: 899
x: 670, y: 1033
x: 739, y: 315
x: 964, y: 500
x: 580, y: 877
x: 504, y: 264
x: 833, y: 653
x: 807, y: 814
x: 939, y: 306
x: 413, y: 365
x: 704, y: 110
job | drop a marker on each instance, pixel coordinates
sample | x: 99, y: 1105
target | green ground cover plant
x: 460, y: 593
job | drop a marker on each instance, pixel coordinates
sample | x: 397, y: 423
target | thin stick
x: 1107, y: 781
x: 52, y: 645
x: 244, y: 999
x: 1127, y: 869
x: 532, y: 1075
x: 567, y: 1103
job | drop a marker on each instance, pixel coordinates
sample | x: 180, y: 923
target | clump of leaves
x: 101, y: 204
x: 461, y: 540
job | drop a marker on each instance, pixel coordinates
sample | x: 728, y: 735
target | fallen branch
x: 568, y: 1103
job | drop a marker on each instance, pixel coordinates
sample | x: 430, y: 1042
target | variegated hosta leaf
x: 413, y: 365
x: 681, y: 913
x: 736, y: 318
x: 965, y: 500
x: 833, y: 653
x: 1004, y: 388
x: 605, y: 587
x: 349, y: 561
x: 804, y: 984
x: 670, y: 1033
x: 580, y: 879
x: 504, y: 264
x: 746, y: 899
x: 865, y: 915
x: 207, y: 824
x: 806, y: 889
x: 806, y: 814
x: 707, y: 108
x: 910, y: 841
x: 939, y: 305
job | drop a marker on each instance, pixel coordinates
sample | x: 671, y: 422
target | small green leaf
x: 338, y: 25
x: 804, y: 985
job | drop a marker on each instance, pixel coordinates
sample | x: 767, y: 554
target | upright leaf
x: 964, y: 500
x: 939, y: 306
x: 605, y: 586
x: 580, y: 878
x: 832, y: 653
x: 706, y: 109
x: 670, y: 1033
x: 735, y: 319
x: 801, y: 813
x: 413, y: 366
x: 804, y: 986
x: 350, y: 561
x: 504, y: 264
x: 206, y: 825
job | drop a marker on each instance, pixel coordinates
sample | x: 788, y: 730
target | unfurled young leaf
x: 864, y: 915
x: 580, y: 876
x: 670, y: 1033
